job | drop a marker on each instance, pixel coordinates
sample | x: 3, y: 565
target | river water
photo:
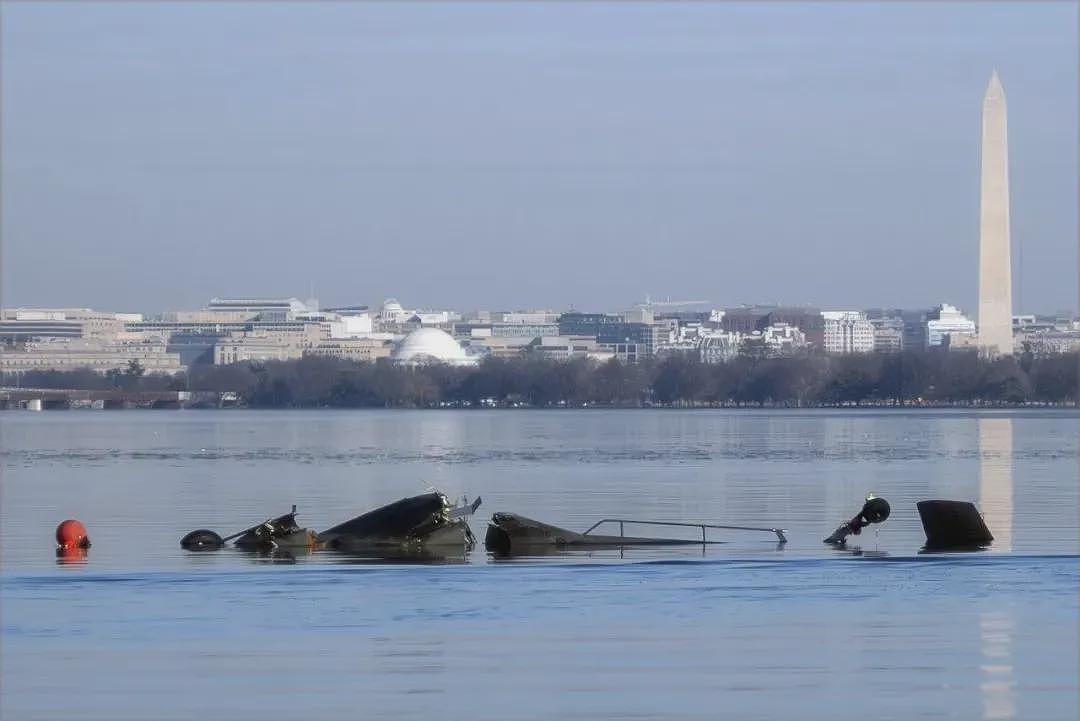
x: 743, y: 629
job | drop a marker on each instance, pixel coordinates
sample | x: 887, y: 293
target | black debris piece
x: 953, y: 525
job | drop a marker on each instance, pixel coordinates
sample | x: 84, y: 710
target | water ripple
x: 376, y: 456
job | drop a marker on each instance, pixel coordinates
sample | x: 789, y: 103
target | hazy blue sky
x: 525, y: 155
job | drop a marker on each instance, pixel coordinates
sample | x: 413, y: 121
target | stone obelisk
x: 995, y: 263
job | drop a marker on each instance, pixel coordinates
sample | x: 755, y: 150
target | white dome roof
x: 430, y: 345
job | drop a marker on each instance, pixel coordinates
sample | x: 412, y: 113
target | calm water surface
x: 745, y: 629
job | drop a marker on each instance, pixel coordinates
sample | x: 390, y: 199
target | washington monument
x: 995, y: 263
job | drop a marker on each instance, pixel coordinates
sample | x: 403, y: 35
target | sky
x: 526, y: 155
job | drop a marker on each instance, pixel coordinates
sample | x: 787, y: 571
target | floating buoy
x: 71, y: 534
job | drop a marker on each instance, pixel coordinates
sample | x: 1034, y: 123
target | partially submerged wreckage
x: 949, y: 525
x: 509, y: 533
x: 421, y: 524
x: 411, y: 524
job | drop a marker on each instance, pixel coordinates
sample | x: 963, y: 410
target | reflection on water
x: 425, y: 556
x: 433, y: 555
x: 71, y: 556
x: 996, y: 503
x: 997, y: 685
x: 996, y: 478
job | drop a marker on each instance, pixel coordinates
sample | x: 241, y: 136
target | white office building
x: 847, y: 331
x: 266, y: 309
x: 525, y: 317
x: 350, y: 326
x: 947, y: 321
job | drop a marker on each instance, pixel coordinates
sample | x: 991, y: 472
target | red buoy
x: 71, y: 534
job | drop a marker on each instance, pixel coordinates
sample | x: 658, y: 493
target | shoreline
x: 972, y: 406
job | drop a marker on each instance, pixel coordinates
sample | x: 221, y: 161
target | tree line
x: 810, y: 380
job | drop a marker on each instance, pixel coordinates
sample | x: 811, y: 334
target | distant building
x: 101, y: 355
x: 20, y: 324
x: 258, y: 346
x: 646, y: 338
x: 477, y: 316
x: 206, y: 316
x: 1034, y: 323
x: 394, y: 318
x: 523, y: 330
x: 960, y: 341
x: 641, y: 314
x: 947, y: 320
x: 498, y: 346
x: 313, y: 339
x: 505, y: 330
x: 525, y: 317
x: 391, y: 313
x: 195, y: 337
x: 350, y: 326
x: 896, y: 329
x: 563, y: 348
x: 586, y: 324
x: 430, y: 318
x: 847, y: 331
x: 888, y: 335
x: 40, y: 324
x: 256, y: 330
x: 915, y: 330
x: 364, y: 350
x: 747, y: 319
x: 686, y: 317
x: 265, y: 309
x: 774, y: 341
x: 1047, y: 342
x: 193, y: 348
x: 629, y: 341
x: 211, y: 326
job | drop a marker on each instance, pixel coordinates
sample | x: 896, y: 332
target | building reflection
x: 996, y: 478
x: 997, y: 685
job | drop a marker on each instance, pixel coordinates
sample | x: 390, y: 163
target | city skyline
x: 661, y: 305
x: 576, y: 176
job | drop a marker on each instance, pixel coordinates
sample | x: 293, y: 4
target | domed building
x: 392, y: 312
x: 430, y: 345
